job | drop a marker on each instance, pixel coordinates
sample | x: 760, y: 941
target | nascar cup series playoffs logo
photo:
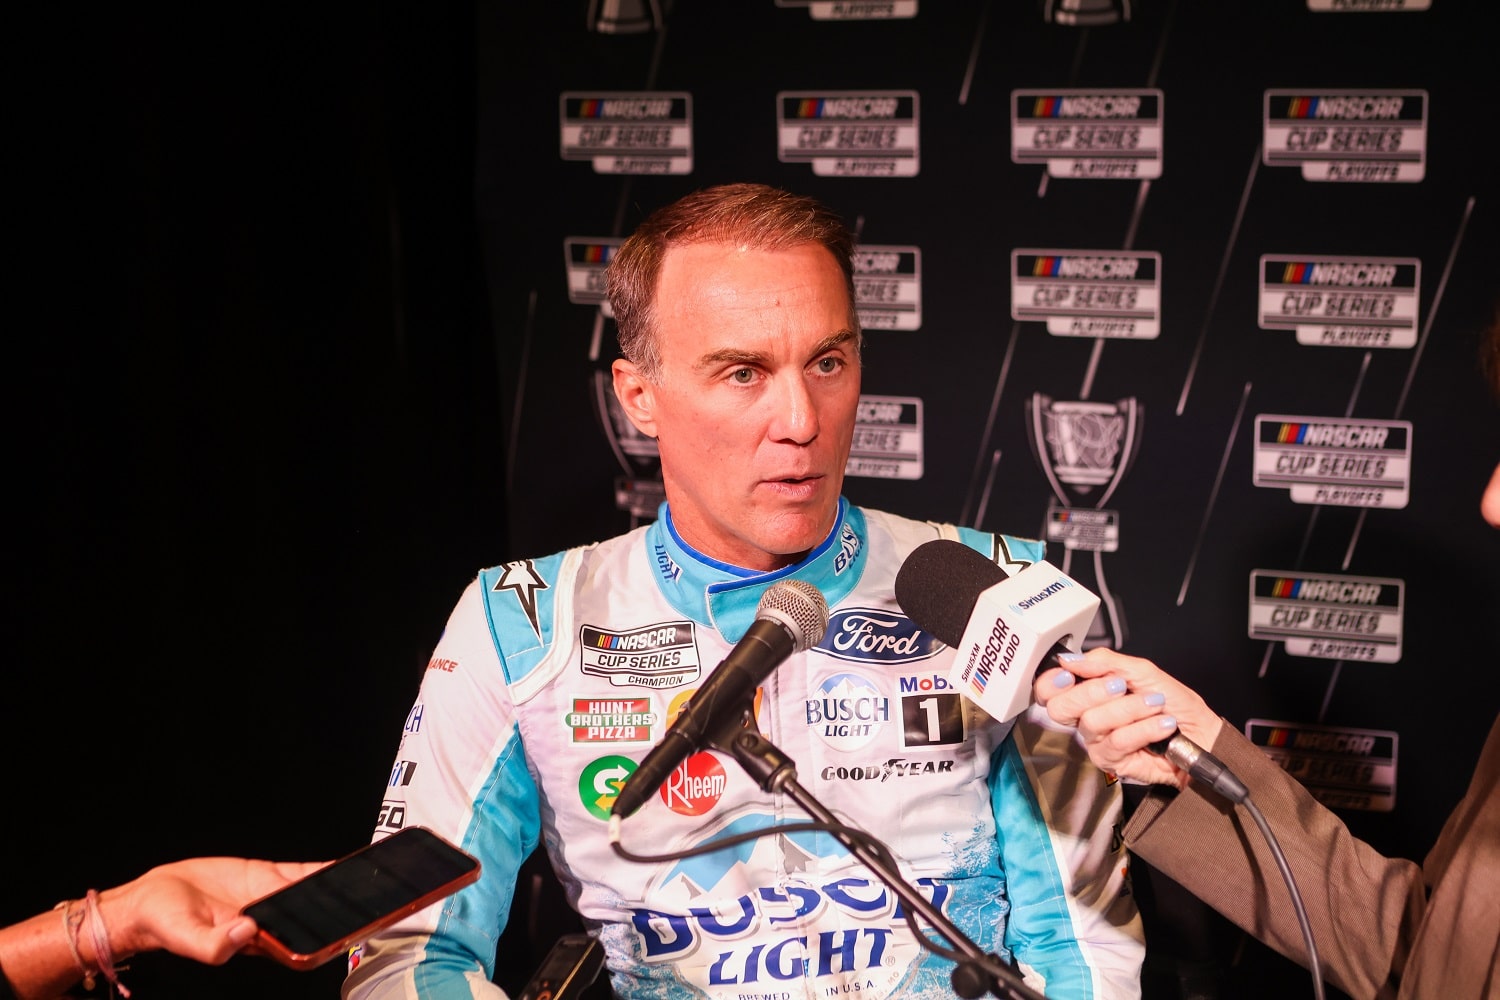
x: 1085, y: 449
x: 850, y: 133
x: 628, y: 133
x: 854, y: 10
x: 1373, y: 136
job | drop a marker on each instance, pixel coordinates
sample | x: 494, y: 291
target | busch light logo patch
x: 849, y: 547
x: 821, y: 930
x: 872, y: 634
x: 848, y: 711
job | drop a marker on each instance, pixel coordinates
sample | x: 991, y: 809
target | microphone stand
x: 774, y: 771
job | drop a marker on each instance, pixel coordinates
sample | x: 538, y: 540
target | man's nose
x: 795, y: 412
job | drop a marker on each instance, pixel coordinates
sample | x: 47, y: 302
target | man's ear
x: 636, y: 394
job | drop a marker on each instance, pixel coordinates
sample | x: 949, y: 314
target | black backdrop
x: 295, y: 356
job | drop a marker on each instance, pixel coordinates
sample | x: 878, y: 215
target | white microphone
x: 792, y: 616
x: 1001, y: 627
x: 1004, y: 628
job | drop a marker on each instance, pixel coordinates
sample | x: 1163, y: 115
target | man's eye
x: 830, y: 364
x: 743, y: 376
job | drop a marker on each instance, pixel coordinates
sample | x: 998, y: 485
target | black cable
x: 1313, y: 964
x: 1210, y: 771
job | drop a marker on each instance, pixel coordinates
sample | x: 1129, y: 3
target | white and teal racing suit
x: 556, y: 675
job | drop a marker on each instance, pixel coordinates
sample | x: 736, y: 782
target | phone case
x: 308, y: 922
x: 569, y: 968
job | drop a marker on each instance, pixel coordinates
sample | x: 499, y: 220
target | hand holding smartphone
x: 308, y: 922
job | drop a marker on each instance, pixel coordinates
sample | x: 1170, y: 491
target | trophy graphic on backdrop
x: 624, y: 17
x: 1085, y: 448
x: 1085, y: 13
x: 639, y: 490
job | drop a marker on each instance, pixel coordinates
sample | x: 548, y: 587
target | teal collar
x: 726, y: 597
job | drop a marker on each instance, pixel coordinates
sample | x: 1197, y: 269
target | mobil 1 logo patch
x: 1342, y: 768
x: 887, y: 438
x: 1088, y: 293
x: 932, y: 711
x: 849, y: 133
x: 1377, y: 136
x: 586, y: 258
x: 888, y: 287
x: 1328, y: 616
x: 1088, y: 134
x: 854, y: 10
x: 1341, y: 301
x: 1337, y: 461
x: 629, y: 133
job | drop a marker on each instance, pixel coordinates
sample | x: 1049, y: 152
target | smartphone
x: 569, y: 968
x: 308, y: 922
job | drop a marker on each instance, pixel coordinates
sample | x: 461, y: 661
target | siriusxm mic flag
x: 1015, y: 626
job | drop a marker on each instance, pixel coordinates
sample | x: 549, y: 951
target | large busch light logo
x: 845, y: 934
x: 1085, y: 449
x: 872, y: 634
x: 639, y: 490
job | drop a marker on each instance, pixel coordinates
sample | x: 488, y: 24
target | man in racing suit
x: 555, y: 676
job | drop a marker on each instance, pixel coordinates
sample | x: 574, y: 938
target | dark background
x: 295, y: 357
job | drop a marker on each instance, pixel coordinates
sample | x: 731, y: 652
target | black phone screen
x: 387, y: 877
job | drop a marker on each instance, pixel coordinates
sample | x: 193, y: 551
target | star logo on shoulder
x: 1002, y: 556
x: 521, y: 576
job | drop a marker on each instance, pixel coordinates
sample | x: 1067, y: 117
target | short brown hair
x: 760, y: 216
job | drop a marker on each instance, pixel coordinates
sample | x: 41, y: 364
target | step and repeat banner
x: 1192, y: 291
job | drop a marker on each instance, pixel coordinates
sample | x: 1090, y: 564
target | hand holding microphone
x: 1123, y: 708
x: 1006, y: 630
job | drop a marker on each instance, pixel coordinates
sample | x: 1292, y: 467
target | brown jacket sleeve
x: 1364, y: 908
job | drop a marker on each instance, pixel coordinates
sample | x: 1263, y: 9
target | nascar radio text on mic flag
x: 1016, y: 624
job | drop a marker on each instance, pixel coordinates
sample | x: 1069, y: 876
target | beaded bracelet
x: 102, y: 953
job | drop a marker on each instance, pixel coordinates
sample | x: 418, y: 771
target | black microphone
x: 938, y: 587
x: 792, y: 616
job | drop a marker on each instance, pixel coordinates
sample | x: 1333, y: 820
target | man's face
x: 754, y: 409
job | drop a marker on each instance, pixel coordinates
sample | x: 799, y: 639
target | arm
x: 460, y: 769
x: 1363, y: 907
x: 190, y: 908
x: 1072, y: 919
